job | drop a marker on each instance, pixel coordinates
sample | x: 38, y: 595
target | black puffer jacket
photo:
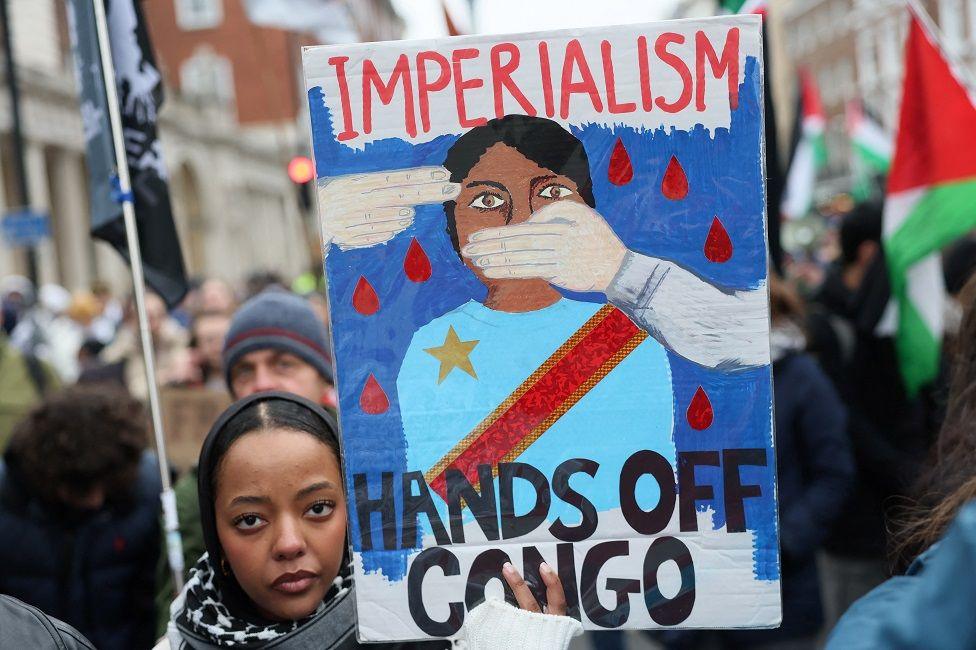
x: 890, y: 432
x: 23, y: 626
x: 94, y: 572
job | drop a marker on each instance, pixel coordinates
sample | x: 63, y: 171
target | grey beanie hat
x: 278, y: 320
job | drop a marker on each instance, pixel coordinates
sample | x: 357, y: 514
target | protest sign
x: 546, y: 259
x: 188, y: 414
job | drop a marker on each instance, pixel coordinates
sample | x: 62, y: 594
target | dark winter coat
x: 890, y: 432
x: 95, y: 572
x: 815, y: 472
x: 24, y: 626
x: 931, y: 606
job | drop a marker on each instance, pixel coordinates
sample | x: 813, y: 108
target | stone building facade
x: 855, y: 50
x: 229, y: 126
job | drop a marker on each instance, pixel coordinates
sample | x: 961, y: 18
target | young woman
x: 931, y: 606
x: 275, y: 574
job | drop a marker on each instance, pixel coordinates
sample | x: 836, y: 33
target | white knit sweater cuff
x: 495, y: 624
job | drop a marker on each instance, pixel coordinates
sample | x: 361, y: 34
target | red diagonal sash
x: 550, y: 391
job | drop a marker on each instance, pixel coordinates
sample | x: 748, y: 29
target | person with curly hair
x: 79, y: 533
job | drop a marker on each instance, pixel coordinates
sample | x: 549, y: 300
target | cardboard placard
x: 546, y: 259
x: 188, y: 414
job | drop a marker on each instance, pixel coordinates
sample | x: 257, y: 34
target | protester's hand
x: 362, y: 210
x: 567, y: 243
x: 555, y: 596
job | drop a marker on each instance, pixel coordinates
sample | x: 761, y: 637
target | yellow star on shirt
x: 455, y: 353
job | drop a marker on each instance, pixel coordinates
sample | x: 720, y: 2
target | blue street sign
x: 25, y: 227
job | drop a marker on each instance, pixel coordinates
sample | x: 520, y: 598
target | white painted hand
x: 362, y: 210
x: 567, y: 243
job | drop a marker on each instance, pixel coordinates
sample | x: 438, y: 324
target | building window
x: 824, y: 86
x: 207, y: 76
x: 951, y: 23
x: 803, y: 41
x: 889, y: 51
x: 838, y: 15
x: 972, y: 21
x: 845, y: 80
x: 199, y: 14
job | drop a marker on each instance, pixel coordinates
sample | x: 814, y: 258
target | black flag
x: 775, y: 178
x: 140, y: 92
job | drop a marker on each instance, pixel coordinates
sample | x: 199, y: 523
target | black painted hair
x: 262, y: 411
x: 542, y: 141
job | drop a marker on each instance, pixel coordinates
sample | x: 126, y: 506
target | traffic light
x: 301, y: 171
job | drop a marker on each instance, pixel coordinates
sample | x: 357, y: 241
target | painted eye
x: 321, y: 509
x: 248, y: 522
x: 487, y: 201
x: 555, y: 191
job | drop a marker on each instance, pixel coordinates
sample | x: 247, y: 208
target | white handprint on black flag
x: 140, y: 96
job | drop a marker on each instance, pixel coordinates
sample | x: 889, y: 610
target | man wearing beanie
x: 275, y: 342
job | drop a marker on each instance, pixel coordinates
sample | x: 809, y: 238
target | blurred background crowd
x: 852, y: 443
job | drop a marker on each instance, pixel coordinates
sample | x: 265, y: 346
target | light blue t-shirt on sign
x: 629, y: 410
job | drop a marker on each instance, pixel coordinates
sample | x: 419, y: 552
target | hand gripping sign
x: 581, y: 373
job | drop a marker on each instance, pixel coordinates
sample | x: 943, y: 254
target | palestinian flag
x: 871, y: 148
x: 809, y: 153
x: 931, y: 199
x: 744, y: 6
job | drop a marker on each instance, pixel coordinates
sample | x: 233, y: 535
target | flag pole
x: 957, y: 66
x: 174, y: 546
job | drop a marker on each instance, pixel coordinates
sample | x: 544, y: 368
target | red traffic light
x: 301, y: 169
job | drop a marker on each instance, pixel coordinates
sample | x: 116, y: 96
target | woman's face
x: 505, y: 187
x: 281, y: 520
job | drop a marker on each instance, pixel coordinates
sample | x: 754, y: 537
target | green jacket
x: 19, y: 393
x: 188, y: 511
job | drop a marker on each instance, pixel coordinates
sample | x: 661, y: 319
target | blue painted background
x: 724, y: 170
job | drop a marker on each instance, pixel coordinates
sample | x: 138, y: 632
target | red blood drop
x: 700, y: 413
x: 718, y: 246
x: 620, y: 171
x: 364, y: 298
x: 675, y: 183
x: 373, y: 400
x: 416, y: 264
x: 118, y: 543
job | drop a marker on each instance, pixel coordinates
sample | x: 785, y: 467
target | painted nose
x: 521, y: 210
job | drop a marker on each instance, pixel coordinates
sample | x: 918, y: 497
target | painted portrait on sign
x: 551, y: 337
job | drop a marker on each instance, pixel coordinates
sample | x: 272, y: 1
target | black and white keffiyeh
x: 200, y: 618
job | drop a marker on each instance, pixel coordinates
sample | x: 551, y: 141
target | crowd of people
x: 870, y: 478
